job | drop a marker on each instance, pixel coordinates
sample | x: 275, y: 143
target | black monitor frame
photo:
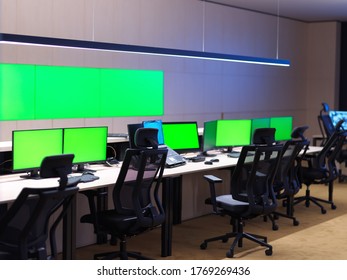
x: 185, y: 149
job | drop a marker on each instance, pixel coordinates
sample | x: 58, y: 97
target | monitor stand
x: 33, y: 174
x: 81, y: 168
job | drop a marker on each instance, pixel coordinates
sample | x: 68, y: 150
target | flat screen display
x: 158, y: 124
x: 232, y: 133
x: 284, y: 127
x: 259, y: 123
x: 336, y: 116
x: 226, y: 133
x: 88, y: 144
x: 31, y: 146
x: 181, y: 136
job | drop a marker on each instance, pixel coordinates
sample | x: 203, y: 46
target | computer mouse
x: 208, y: 162
x: 214, y: 160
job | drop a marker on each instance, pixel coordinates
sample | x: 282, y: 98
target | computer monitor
x: 221, y: 134
x: 336, y: 116
x: 88, y: 144
x: 158, y: 124
x: 284, y: 127
x: 182, y: 137
x: 30, y: 147
x: 259, y: 123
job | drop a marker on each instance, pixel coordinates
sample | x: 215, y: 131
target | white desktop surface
x: 11, y: 185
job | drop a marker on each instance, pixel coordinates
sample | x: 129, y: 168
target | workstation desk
x: 12, y: 184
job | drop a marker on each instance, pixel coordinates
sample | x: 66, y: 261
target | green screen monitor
x: 259, y: 123
x: 284, y: 127
x: 221, y: 134
x: 88, y: 144
x: 31, y: 146
x: 182, y: 137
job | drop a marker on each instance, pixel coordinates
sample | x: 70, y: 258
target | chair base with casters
x: 122, y: 254
x: 273, y: 217
x: 238, y: 234
x: 307, y: 198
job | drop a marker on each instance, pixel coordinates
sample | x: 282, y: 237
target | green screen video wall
x: 32, y: 92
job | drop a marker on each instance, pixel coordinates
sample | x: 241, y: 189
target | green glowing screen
x: 181, y: 136
x: 31, y: 146
x: 29, y: 92
x: 232, y: 133
x: 88, y: 144
x: 284, y: 127
x: 259, y: 123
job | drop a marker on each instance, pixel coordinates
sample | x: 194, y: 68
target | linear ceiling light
x: 103, y: 46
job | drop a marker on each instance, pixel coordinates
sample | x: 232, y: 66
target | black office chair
x: 321, y: 169
x: 325, y: 123
x: 24, y: 228
x: 287, y: 182
x: 137, y: 206
x: 251, y: 194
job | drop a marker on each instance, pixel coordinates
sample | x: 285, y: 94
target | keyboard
x: 84, y: 178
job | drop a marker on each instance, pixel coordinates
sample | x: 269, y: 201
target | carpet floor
x: 317, y: 237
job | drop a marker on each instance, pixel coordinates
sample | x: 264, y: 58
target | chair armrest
x: 212, y: 180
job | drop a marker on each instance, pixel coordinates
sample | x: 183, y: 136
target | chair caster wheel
x: 333, y: 206
x: 268, y: 252
x: 230, y: 254
x: 307, y: 204
x: 225, y: 240
x: 274, y: 227
x: 296, y: 223
x: 203, y: 246
x: 323, y: 211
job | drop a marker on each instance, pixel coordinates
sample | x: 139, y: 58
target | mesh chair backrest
x: 26, y: 223
x: 287, y: 180
x: 252, y: 180
x: 136, y: 190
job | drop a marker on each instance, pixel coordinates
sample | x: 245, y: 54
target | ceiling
x: 303, y: 10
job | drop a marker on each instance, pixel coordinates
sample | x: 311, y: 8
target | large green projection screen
x: 17, y: 92
x: 29, y: 92
x: 140, y: 91
x: 67, y: 92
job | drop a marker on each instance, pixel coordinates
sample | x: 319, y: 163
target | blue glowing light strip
x: 92, y: 45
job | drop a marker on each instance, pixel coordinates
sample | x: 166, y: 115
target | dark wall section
x: 343, y: 70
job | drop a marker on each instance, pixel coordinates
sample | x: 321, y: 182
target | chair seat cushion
x: 116, y: 223
x: 310, y: 175
x: 228, y: 203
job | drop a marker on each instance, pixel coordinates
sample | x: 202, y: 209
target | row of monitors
x: 29, y: 147
x: 183, y: 136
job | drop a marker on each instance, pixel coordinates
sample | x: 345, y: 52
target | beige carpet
x: 318, y: 237
x: 325, y: 241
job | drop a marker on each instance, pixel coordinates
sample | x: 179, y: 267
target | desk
x: 11, y: 185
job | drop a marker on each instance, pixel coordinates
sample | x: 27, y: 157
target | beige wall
x: 194, y: 90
